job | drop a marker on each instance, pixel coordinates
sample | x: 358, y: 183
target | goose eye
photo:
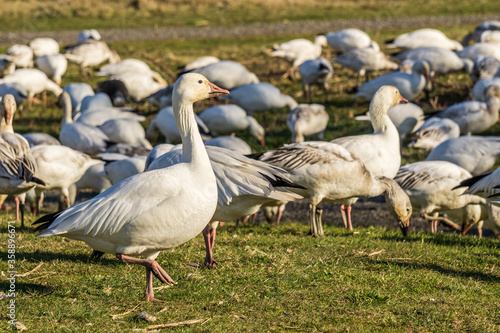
x: 200, y: 81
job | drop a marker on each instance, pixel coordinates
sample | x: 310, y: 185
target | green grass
x: 33, y: 15
x: 269, y: 279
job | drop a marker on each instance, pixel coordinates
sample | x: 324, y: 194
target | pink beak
x: 262, y: 142
x: 216, y: 91
x: 403, y: 99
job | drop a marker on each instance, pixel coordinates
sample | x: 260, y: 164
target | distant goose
x: 346, y: 40
x: 198, y: 63
x: 125, y: 66
x: 91, y: 54
x: 480, y: 87
x: 151, y: 211
x: 480, y: 50
x: 227, y: 74
x: 230, y: 142
x: 296, y: 51
x: 433, y: 132
x: 485, y: 68
x: 484, y: 26
x: 89, y: 35
x: 229, y: 118
x: 162, y: 98
x: 424, y: 38
x: 490, y: 36
x: 305, y: 120
x: 441, y: 60
x: 33, y: 80
x: 54, y: 66
x: 126, y: 131
x: 77, y: 92
x: 140, y: 85
x: 21, y: 55
x: 44, y: 46
x: 476, y: 154
x: 6, y: 65
x: 317, y: 72
x: 409, y: 85
x: 116, y: 90
x: 122, y: 169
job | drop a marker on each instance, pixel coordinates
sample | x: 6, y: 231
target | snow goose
x: 348, y: 39
x: 485, y: 68
x: 88, y: 35
x: 126, y: 131
x: 116, y: 90
x: 95, y: 101
x: 484, y: 26
x: 243, y: 185
x: 423, y: 38
x: 441, y: 60
x: 20, y: 94
x: 366, y: 60
x: 7, y: 66
x: 318, y: 72
x: 476, y: 154
x: 479, y: 88
x: 229, y: 118
x: 379, y: 151
x: 274, y: 209
x: 305, y: 120
x: 164, y: 123
x: 331, y: 173
x: 140, y: 85
x: 198, y: 63
x: 94, y: 178
x: 33, y: 80
x: 433, y: 132
x: 430, y: 186
x: 296, y: 51
x: 53, y: 65
x: 151, y: 211
x: 125, y: 66
x: 60, y: 167
x: 21, y: 55
x: 480, y: 50
x: 121, y: 169
x: 18, y: 167
x: 162, y: 98
x: 90, y: 54
x: 227, y: 74
x: 490, y: 36
x: 77, y: 92
x: 407, y: 118
x: 35, y: 139
x: 44, y: 46
x: 475, y: 116
x: 260, y: 97
x: 410, y: 85
x: 77, y: 135
x: 98, y: 116
x: 230, y: 142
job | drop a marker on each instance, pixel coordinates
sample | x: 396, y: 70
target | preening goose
x: 243, y: 185
x: 155, y: 210
x: 424, y: 38
x: 433, y: 132
x: 227, y: 74
x: 305, y: 120
x: 430, y: 186
x: 348, y: 39
x: 229, y: 118
x: 318, y: 72
x: 476, y: 154
x: 18, y: 169
x: 331, y: 173
x: 379, y: 151
x: 410, y: 85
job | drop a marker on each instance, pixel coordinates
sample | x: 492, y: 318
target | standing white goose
x: 318, y: 72
x: 305, y: 120
x: 331, y: 173
x: 243, y: 185
x: 53, y: 65
x: 229, y: 118
x: 379, y: 151
x: 91, y: 53
x: 17, y: 167
x: 296, y: 51
x: 33, y: 80
x: 151, y: 211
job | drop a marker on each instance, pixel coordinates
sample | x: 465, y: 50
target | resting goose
x: 480, y: 50
x: 479, y: 88
x: 227, y: 74
x: 198, y: 63
x: 348, y: 39
x: 243, y: 185
x: 441, y: 60
x: 331, y: 173
x: 318, y: 72
x: 379, y: 151
x: 44, y: 46
x: 230, y: 142
x: 155, y: 210
x: 409, y: 85
x: 296, y: 51
x: 128, y: 131
x: 89, y: 35
x: 305, y: 120
x: 433, y: 132
x: 229, y: 118
x: 21, y: 55
x: 476, y: 154
x: 424, y: 38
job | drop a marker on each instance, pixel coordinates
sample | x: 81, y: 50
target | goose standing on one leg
x: 152, y: 211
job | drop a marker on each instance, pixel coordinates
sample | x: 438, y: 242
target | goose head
x: 385, y: 98
x: 9, y: 108
x: 399, y: 204
x: 193, y: 87
x: 492, y: 91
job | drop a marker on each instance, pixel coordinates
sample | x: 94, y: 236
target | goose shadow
x: 45, y: 256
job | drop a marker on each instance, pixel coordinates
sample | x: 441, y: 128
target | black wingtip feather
x: 255, y: 156
x: 45, y: 221
x: 282, y: 182
x: 471, y: 181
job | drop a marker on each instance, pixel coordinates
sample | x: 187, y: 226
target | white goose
x: 77, y: 92
x: 155, y: 210
x: 128, y: 131
x: 476, y: 154
x: 17, y: 167
x: 348, y: 39
x: 33, y: 80
x: 485, y: 68
x: 431, y: 188
x: 60, y: 167
x: 53, y: 65
x: 475, y: 116
x: 318, y: 72
x: 490, y: 36
x: 379, y: 151
x: 484, y: 26
x: 21, y: 55
x: 35, y: 139
x: 91, y: 53
x: 243, y: 185
x: 480, y: 50
x: 230, y: 142
x: 164, y: 123
x: 441, y: 60
x: 305, y: 120
x: 77, y: 135
x: 125, y: 66
x: 296, y: 51
x: 227, y: 74
x: 433, y: 132
x: 424, y: 38
x: 121, y: 169
x: 410, y: 85
x: 89, y: 35
x: 331, y: 173
x: 229, y: 118
x: 44, y: 46
x: 479, y: 88
x: 198, y: 63
x: 141, y: 85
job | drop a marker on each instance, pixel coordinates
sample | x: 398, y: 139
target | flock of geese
x: 154, y: 197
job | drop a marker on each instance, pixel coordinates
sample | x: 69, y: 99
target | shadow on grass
x: 447, y: 271
x: 44, y: 256
x: 29, y: 288
x: 447, y: 239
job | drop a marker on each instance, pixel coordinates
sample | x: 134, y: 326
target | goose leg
x: 209, y: 237
x: 152, y: 268
x: 345, y: 211
x: 278, y: 218
x: 312, y: 217
x: 319, y: 223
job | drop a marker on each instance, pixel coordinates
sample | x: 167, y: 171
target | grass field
x: 269, y: 279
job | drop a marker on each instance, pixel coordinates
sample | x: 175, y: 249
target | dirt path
x: 257, y: 29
